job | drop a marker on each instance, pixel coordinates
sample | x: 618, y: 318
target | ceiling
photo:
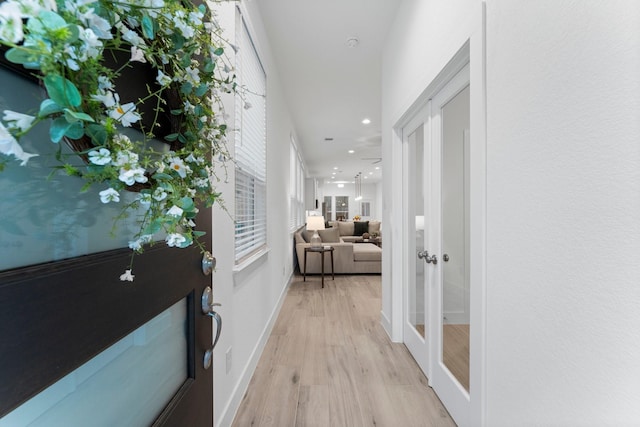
x: 329, y: 86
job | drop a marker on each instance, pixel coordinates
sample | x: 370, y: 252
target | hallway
x: 328, y: 362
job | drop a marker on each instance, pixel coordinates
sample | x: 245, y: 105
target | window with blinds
x: 250, y: 149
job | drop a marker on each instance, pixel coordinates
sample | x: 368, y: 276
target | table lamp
x: 315, y: 223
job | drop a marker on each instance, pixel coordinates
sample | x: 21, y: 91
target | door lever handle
x: 207, y: 305
x: 429, y: 259
x: 208, y: 355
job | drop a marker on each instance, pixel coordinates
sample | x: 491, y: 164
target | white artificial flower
x: 11, y: 29
x: 176, y: 164
x: 18, y: 120
x: 163, y: 79
x: 137, y: 55
x: 109, y: 195
x: 106, y: 97
x: 198, y: 160
x: 92, y: 44
x: 129, y: 176
x: 100, y: 157
x: 127, y: 276
x: 126, y: 114
x: 201, y: 182
x: 196, y: 18
x: 159, y: 194
x: 194, y: 75
x: 131, y: 36
x: 125, y: 157
x: 9, y: 146
x: 136, y: 245
x: 144, y: 199
x: 175, y: 239
x: 175, y: 211
x: 104, y: 83
x: 100, y: 26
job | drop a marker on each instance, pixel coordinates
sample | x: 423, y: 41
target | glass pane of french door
x: 105, y: 391
x: 416, y: 296
x: 455, y: 236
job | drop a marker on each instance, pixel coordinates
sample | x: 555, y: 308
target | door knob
x: 429, y: 259
x: 208, y: 263
x: 445, y: 258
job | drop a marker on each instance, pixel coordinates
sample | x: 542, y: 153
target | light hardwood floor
x: 329, y: 362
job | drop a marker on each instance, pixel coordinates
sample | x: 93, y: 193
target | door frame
x: 473, y: 51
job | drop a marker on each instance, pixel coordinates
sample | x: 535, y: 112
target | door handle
x: 207, y: 306
x: 445, y: 257
x: 429, y: 259
x: 208, y: 355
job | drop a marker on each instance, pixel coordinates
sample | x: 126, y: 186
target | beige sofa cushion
x: 374, y: 227
x: 329, y: 235
x: 366, y: 252
x: 346, y: 228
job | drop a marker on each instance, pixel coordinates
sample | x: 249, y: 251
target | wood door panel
x: 86, y: 309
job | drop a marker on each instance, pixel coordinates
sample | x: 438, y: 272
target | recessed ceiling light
x: 351, y: 151
x: 340, y: 185
x: 377, y: 167
x: 366, y: 177
x: 353, y: 42
x: 370, y: 173
x: 366, y: 121
x: 335, y: 168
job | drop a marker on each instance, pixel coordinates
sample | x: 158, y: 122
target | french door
x: 436, y: 192
x: 80, y: 346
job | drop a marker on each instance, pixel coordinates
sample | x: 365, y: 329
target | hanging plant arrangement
x: 81, y: 52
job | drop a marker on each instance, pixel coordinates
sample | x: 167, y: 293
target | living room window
x: 342, y: 208
x: 327, y: 210
x: 250, y: 149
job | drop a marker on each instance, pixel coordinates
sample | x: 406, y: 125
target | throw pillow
x: 306, y: 235
x: 360, y: 227
x: 330, y: 235
x: 374, y: 227
x: 346, y: 228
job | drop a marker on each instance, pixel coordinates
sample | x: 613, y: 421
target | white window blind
x: 250, y: 149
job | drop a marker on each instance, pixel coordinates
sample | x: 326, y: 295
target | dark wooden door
x: 57, y: 316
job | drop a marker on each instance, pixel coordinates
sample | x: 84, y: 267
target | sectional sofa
x: 348, y: 257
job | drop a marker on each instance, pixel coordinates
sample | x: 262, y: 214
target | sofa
x: 348, y: 257
x: 350, y: 231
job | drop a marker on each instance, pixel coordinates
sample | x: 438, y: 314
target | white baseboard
x: 386, y: 324
x: 229, y: 412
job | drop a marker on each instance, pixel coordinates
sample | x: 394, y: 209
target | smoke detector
x: 352, y: 42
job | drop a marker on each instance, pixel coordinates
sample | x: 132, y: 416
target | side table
x: 321, y: 250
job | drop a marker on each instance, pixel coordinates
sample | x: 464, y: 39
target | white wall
x: 563, y: 162
x: 561, y: 323
x: 251, y: 298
